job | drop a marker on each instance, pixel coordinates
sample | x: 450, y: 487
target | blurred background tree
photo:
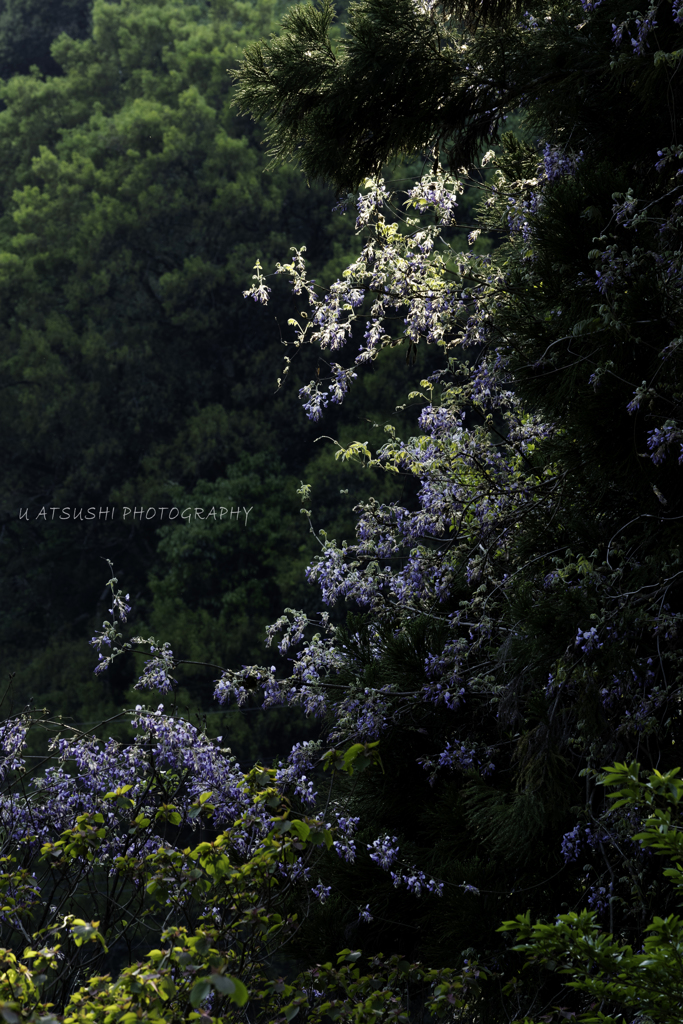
x: 132, y: 205
x: 28, y: 29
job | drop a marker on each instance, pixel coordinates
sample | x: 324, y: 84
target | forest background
x: 135, y: 374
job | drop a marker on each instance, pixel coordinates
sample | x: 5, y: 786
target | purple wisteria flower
x: 157, y: 673
x: 321, y: 892
x: 345, y: 846
x: 599, y: 897
x: 588, y: 640
x: 558, y: 164
x: 660, y: 439
x: 384, y: 851
x: 638, y: 28
x: 571, y: 844
x: 260, y: 291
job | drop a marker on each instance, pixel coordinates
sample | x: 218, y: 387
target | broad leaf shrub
x: 218, y: 910
x: 162, y: 864
x: 617, y: 980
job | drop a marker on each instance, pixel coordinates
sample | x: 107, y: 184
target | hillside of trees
x: 134, y: 373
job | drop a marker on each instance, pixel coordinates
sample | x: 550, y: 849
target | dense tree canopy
x: 409, y: 75
x: 28, y: 29
x: 132, y: 202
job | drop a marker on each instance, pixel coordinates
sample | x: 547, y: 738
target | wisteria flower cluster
x: 456, y: 566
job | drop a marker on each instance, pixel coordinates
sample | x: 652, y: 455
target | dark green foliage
x: 603, y: 976
x: 403, y: 80
x: 132, y: 203
x: 498, y: 837
x: 581, y: 303
x: 322, y: 101
x: 29, y: 27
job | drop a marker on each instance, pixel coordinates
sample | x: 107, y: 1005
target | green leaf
x: 300, y: 829
x: 347, y: 956
x: 230, y: 986
x: 223, y: 984
x: 200, y: 991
